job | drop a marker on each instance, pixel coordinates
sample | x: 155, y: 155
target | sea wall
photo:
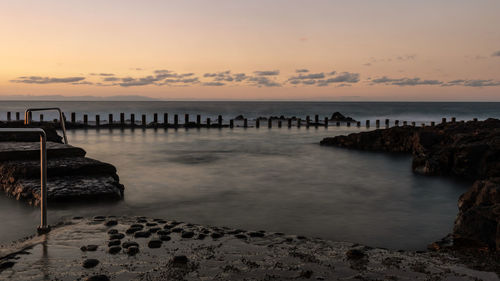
x: 467, y: 150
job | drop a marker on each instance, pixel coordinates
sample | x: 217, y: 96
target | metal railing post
x: 27, y: 118
x: 44, y: 227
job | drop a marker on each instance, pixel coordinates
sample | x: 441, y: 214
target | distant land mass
x: 75, y: 98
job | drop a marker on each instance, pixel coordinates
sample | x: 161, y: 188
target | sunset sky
x: 252, y: 50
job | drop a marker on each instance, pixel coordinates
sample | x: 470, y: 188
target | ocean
x: 277, y: 179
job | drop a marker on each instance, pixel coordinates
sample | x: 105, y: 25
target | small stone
x: 151, y: 224
x: 241, y: 236
x: 300, y: 237
x: 355, y: 254
x: 100, y: 277
x: 116, y: 236
x: 7, y: 264
x: 114, y: 250
x: 154, y: 229
x: 132, y: 250
x: 137, y: 225
x: 89, y: 263
x: 129, y: 244
x: 177, y: 229
x: 201, y: 236
x: 160, y: 221
x: 99, y: 218
x: 112, y: 231
x: 256, y: 234
x: 163, y: 232
x: 165, y: 238
x: 115, y: 242
x: 77, y: 218
x: 155, y: 243
x: 180, y: 260
x: 142, y: 234
x: 142, y: 220
x: 111, y: 223
x: 133, y: 230
x: 187, y: 234
x: 216, y: 235
x: 89, y: 248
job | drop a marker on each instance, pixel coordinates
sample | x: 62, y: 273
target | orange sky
x: 352, y: 50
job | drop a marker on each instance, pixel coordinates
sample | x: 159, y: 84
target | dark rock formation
x: 70, y: 175
x: 468, y: 150
x: 337, y: 116
x: 50, y: 131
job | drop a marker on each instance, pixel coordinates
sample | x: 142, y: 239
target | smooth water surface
x: 276, y: 179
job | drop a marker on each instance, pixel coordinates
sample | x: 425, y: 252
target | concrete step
x: 31, y: 150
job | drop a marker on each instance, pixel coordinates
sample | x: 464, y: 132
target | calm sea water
x: 276, y: 179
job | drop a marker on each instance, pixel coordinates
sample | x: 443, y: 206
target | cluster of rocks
x: 71, y: 175
x: 140, y: 248
x: 467, y: 150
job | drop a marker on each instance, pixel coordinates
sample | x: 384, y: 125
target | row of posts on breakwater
x: 217, y: 123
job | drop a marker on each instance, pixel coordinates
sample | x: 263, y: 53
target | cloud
x: 214, y: 84
x: 321, y: 80
x: 82, y: 83
x: 101, y: 74
x: 267, y: 72
x: 303, y: 70
x: 46, y: 80
x: 260, y: 81
x: 479, y: 83
x: 406, y: 57
x: 405, y: 81
x: 496, y: 54
x: 111, y: 79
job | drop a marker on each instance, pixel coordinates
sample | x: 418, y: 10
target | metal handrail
x: 43, y: 228
x: 27, y: 118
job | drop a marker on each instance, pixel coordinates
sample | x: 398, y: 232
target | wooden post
x: 326, y: 122
x: 433, y: 123
x: 176, y: 120
x: 18, y: 116
x: 299, y: 121
x: 144, y: 120
x: 423, y: 125
x: 198, y: 120
x: 186, y: 119
x: 97, y: 120
x: 270, y: 123
x: 316, y: 118
x: 122, y: 119
x: 387, y: 122
x: 165, y: 119
x: 338, y: 124
x: 279, y: 123
x: 41, y: 117
x: 348, y: 124
x: 132, y: 119
x: 358, y: 124
x: 368, y: 123
x: 155, y: 118
x: 231, y: 123
x: 73, y: 117
x: 396, y: 123
x: 443, y: 120
x: 85, y: 119
x: 8, y: 116
x: 308, y: 120
x: 475, y: 119
x: 219, y: 121
x: 413, y: 124
x: 245, y: 123
x: 377, y: 123
x: 257, y: 123
x: 405, y: 123
x: 208, y: 122
x: 110, y: 119
x: 453, y: 119
x: 289, y: 122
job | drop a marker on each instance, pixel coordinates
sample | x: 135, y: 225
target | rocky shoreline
x: 140, y: 248
x: 71, y: 175
x: 466, y: 150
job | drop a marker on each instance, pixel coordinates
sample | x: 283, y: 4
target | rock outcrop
x: 468, y: 150
x: 70, y: 175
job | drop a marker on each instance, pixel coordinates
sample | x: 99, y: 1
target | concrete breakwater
x: 470, y: 151
x: 71, y: 175
x: 141, y: 248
